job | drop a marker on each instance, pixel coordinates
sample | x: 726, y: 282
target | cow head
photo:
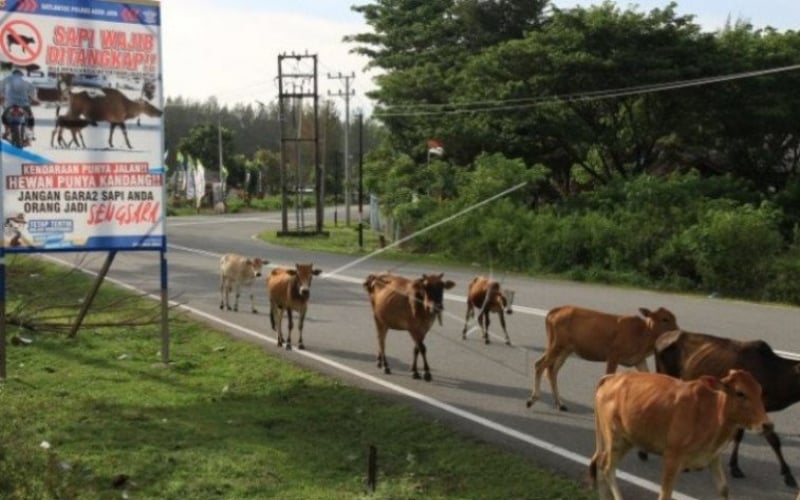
x: 302, y: 274
x: 431, y: 288
x: 659, y: 321
x: 508, y: 300
x: 257, y: 264
x: 148, y: 109
x: 745, y: 405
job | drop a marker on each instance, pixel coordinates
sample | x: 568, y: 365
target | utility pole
x: 301, y: 136
x: 346, y: 94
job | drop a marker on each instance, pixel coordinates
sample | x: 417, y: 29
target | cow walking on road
x: 236, y: 271
x: 689, y: 355
x: 400, y: 303
x: 487, y: 296
x: 289, y: 289
x: 598, y: 336
x: 687, y: 422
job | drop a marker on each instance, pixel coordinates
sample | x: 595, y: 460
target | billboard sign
x: 91, y: 176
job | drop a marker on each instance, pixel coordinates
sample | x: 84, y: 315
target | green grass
x: 225, y: 420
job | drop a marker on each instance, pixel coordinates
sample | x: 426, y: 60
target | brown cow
x: 289, y: 290
x: 598, y: 336
x: 689, y: 355
x: 112, y: 106
x: 235, y: 271
x: 687, y: 422
x: 400, y: 303
x: 486, y: 296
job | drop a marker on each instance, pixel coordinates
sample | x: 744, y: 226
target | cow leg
x: 540, y: 366
x: 301, y: 316
x: 125, y: 134
x: 612, y: 458
x: 642, y: 366
x: 423, y: 350
x: 222, y: 293
x: 470, y: 312
x: 276, y: 318
x: 237, y: 292
x: 503, y: 324
x: 733, y: 463
x: 671, y: 468
x: 611, y: 366
x: 718, y: 477
x: 485, y: 326
x: 111, y: 128
x: 291, y: 326
x: 552, y: 374
x: 252, y: 301
x: 382, y: 362
x: 775, y: 442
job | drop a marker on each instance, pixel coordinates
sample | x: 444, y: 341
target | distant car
x: 90, y: 80
x: 41, y: 80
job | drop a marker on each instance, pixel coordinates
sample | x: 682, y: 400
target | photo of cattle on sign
x: 109, y: 105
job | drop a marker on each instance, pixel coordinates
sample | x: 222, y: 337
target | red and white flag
x: 435, y: 147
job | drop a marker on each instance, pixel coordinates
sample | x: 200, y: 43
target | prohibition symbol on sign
x: 20, y: 41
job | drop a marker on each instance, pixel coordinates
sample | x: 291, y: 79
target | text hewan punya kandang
x: 102, y: 48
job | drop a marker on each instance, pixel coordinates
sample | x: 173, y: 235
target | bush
x: 734, y: 248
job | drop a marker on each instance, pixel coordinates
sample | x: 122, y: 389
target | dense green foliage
x: 654, y: 153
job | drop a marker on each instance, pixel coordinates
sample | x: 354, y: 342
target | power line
x: 426, y: 109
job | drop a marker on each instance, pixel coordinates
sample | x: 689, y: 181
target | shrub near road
x: 99, y: 417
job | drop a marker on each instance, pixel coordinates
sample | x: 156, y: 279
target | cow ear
x: 645, y: 312
x: 317, y: 272
x: 249, y: 262
x: 449, y: 284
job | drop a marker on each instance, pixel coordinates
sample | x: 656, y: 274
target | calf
x: 689, y: 355
x: 289, y: 290
x: 400, y: 303
x: 687, y: 422
x: 486, y: 296
x: 236, y: 271
x: 74, y: 125
x: 598, y: 336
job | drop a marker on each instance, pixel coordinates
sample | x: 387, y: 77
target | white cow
x: 235, y: 271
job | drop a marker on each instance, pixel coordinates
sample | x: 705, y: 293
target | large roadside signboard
x: 93, y: 179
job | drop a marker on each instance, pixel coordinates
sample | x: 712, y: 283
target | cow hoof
x: 235, y: 309
x: 387, y: 371
x: 642, y: 456
x: 463, y: 336
x: 288, y: 346
x: 221, y: 306
x: 562, y: 408
x: 736, y: 472
x: 228, y: 308
x: 255, y: 311
x: 427, y: 377
x: 416, y: 376
x: 508, y: 342
x: 789, y: 481
x: 280, y: 344
x: 486, y: 341
x: 529, y: 402
x: 301, y: 347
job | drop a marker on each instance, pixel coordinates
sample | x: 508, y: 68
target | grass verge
x: 99, y: 417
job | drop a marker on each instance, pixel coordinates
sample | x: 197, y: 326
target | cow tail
x: 58, y: 109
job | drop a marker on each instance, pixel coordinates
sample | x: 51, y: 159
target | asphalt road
x: 478, y: 389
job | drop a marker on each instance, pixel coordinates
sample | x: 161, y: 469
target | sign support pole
x: 164, y: 310
x: 92, y: 293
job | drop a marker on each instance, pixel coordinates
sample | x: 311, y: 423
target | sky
x: 229, y: 49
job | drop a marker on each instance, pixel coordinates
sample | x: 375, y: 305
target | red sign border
x: 7, y: 50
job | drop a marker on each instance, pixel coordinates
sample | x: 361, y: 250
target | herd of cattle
x: 705, y: 393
